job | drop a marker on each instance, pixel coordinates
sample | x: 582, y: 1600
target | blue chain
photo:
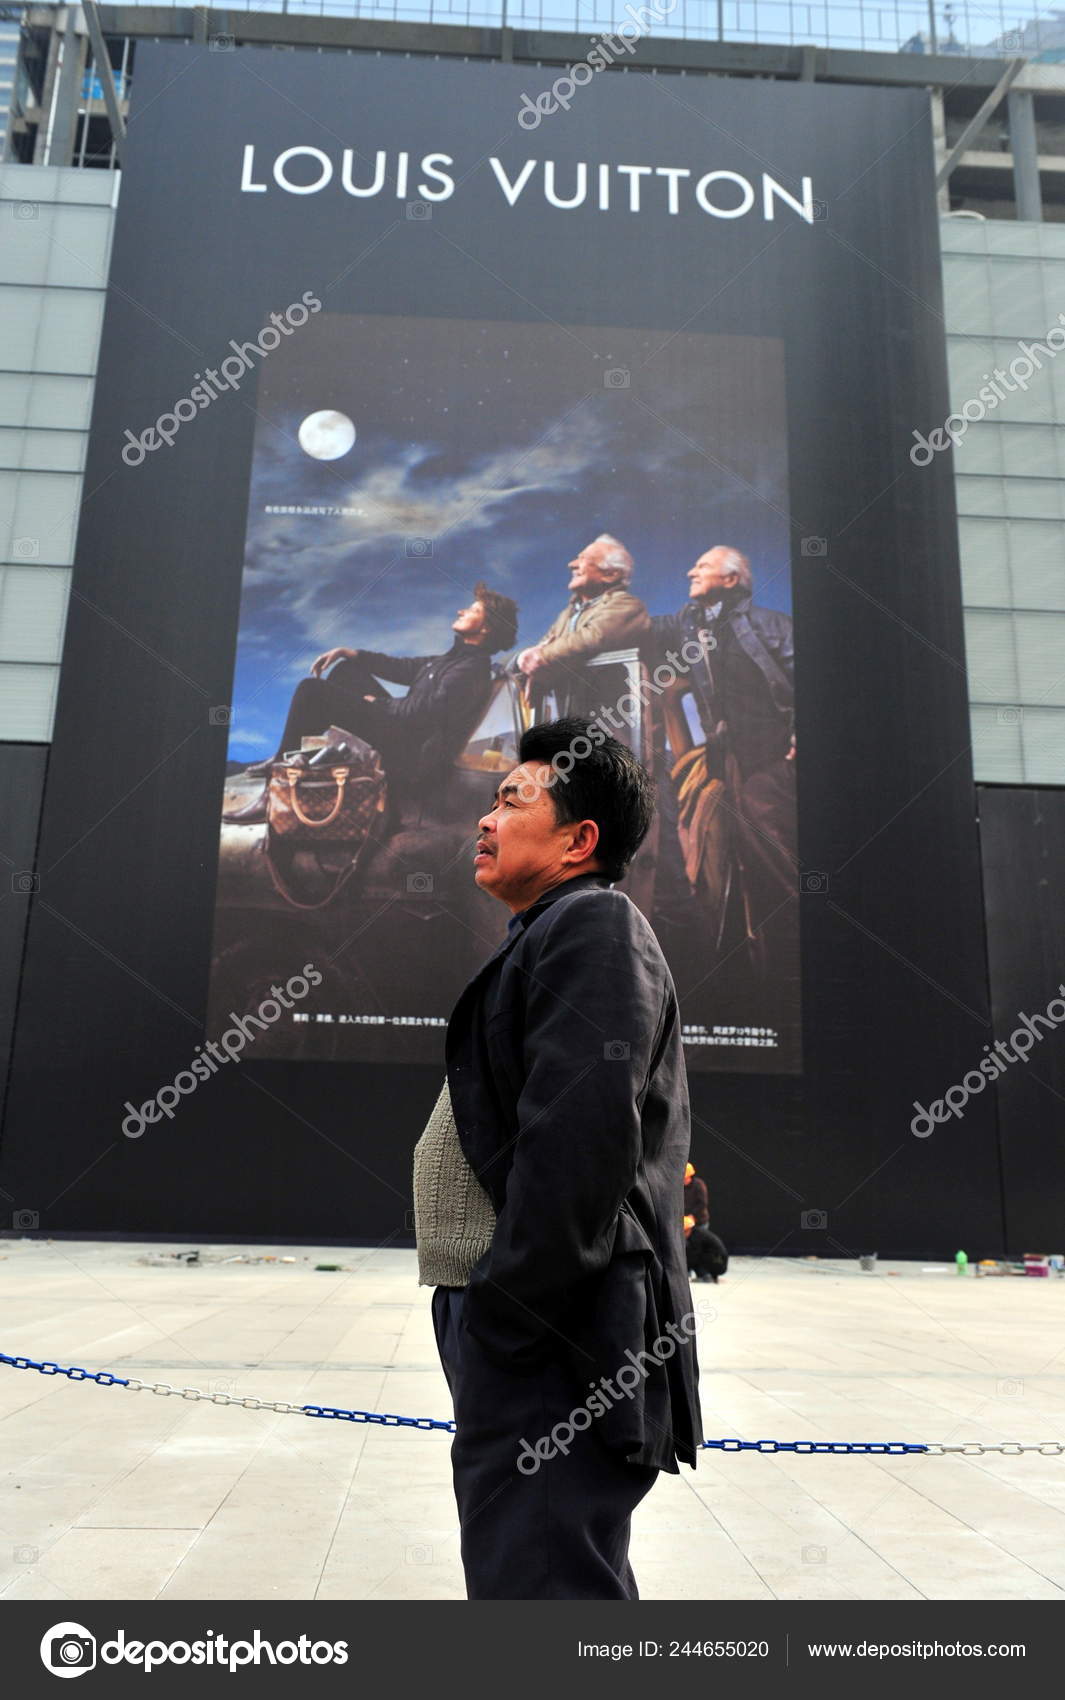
x: 337, y: 1413
x: 340, y: 1415
x: 106, y: 1379
x: 103, y: 1376
x: 893, y: 1446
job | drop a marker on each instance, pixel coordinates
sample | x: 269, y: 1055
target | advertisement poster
x: 400, y: 462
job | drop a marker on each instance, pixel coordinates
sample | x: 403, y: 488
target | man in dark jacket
x: 570, y: 1350
x: 416, y: 734
x: 747, y: 675
x: 707, y: 1257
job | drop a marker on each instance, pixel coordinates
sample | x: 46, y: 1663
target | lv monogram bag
x: 334, y: 804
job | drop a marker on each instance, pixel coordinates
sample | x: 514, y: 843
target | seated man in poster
x: 416, y: 734
x: 736, y: 792
x: 601, y: 614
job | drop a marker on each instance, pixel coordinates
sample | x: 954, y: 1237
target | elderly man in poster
x: 601, y: 614
x: 744, y: 696
x: 548, y: 1190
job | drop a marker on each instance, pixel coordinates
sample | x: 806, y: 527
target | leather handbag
x: 335, y: 806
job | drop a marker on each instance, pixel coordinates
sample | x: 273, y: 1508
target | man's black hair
x: 603, y: 781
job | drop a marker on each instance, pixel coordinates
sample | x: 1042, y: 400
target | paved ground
x: 111, y: 1494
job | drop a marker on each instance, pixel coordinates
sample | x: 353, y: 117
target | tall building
x: 998, y: 124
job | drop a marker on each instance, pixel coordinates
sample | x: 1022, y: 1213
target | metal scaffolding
x: 998, y: 121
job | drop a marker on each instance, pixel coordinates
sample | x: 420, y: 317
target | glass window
x: 966, y: 289
x: 980, y: 495
x: 1003, y: 237
x: 1040, y: 649
x: 980, y: 450
x: 33, y: 606
x: 1034, y: 498
x: 969, y: 359
x: 27, y: 702
x: 1043, y: 742
x: 1037, y: 563
x: 69, y: 331
x: 1026, y: 380
x: 1029, y: 451
x: 42, y: 451
x: 45, y: 400
x: 990, y: 656
x: 39, y: 516
x: 985, y: 562
x: 997, y: 752
x: 78, y: 256
x: 1018, y: 308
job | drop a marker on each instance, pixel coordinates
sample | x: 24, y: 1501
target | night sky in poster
x: 479, y: 452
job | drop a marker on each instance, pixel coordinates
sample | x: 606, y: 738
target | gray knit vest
x: 453, y: 1216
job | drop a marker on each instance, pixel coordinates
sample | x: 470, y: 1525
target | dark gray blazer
x: 567, y: 1080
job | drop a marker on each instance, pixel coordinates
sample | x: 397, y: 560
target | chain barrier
x: 249, y: 1403
x: 337, y: 1413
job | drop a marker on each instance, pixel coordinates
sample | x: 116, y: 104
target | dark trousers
x: 768, y: 836
x: 705, y: 1253
x: 338, y: 700
x: 560, y: 1533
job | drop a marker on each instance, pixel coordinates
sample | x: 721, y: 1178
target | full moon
x: 326, y: 435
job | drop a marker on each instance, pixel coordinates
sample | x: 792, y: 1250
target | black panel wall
x: 1022, y: 835
x: 894, y: 973
x: 22, y: 771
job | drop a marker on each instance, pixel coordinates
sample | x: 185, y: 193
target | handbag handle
x: 282, y: 889
x: 341, y: 775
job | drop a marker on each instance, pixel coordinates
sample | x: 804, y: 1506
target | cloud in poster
x: 400, y: 498
x: 489, y: 448
x: 486, y: 508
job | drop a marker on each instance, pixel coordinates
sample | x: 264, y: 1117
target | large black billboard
x: 417, y: 421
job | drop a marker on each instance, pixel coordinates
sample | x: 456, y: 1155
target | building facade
x: 998, y: 122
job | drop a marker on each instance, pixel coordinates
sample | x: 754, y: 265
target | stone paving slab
x: 113, y: 1495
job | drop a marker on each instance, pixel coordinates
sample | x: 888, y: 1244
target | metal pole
x: 67, y: 92
x: 1025, y: 149
x: 102, y: 68
x: 977, y: 122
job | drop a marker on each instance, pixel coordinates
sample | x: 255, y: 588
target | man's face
x: 710, y: 576
x: 587, y: 574
x: 469, y: 622
x: 522, y: 850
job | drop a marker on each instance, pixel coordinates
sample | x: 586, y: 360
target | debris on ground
x: 197, y: 1258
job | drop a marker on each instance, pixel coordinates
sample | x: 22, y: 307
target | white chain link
x: 164, y: 1389
x: 1009, y: 1448
x: 933, y: 1448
